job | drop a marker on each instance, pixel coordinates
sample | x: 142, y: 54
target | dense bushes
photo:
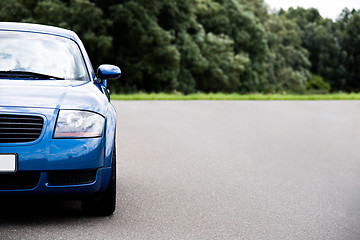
x: 318, y: 85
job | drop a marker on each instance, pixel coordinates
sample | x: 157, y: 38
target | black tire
x: 103, y: 204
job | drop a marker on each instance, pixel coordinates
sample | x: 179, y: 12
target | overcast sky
x: 327, y: 8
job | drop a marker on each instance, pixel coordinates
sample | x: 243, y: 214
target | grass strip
x: 234, y: 96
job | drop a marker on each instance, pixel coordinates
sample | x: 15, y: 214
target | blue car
x: 57, y: 126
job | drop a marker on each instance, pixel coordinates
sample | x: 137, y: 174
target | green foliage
x: 318, y: 84
x: 288, y: 67
x: 351, y: 44
x: 222, y: 67
x: 13, y: 10
x: 229, y: 18
x: 333, y: 46
x: 325, y: 54
x: 302, y: 16
x: 207, y: 45
x: 149, y: 57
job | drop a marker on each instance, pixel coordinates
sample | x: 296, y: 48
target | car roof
x: 36, y: 28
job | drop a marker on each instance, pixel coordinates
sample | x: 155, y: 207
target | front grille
x: 19, y: 180
x: 20, y: 128
x: 71, y: 177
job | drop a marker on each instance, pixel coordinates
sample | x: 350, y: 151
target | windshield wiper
x: 25, y: 74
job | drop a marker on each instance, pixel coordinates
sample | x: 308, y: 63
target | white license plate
x: 7, y: 162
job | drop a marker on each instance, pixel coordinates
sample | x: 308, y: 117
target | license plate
x: 7, y: 162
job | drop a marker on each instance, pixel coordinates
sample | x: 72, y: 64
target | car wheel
x: 104, y: 203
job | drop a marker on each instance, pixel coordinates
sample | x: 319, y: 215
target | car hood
x: 61, y: 94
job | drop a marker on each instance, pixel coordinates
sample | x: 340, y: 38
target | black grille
x: 71, y: 177
x: 19, y: 180
x: 20, y: 128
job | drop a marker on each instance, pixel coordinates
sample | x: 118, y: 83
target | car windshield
x: 42, y: 56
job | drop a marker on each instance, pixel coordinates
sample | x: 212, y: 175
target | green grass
x: 234, y: 96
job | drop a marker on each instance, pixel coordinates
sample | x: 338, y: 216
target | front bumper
x: 47, y: 156
x: 44, y: 187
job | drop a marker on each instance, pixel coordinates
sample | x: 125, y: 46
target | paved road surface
x: 219, y: 170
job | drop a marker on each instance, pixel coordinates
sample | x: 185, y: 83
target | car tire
x: 103, y: 204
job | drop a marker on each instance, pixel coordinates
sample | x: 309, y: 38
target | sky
x: 327, y: 8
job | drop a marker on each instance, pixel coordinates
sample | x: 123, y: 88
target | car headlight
x: 78, y: 124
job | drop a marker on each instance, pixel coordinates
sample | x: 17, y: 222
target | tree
x: 301, y: 16
x: 351, y: 44
x: 145, y: 51
x: 322, y: 38
x: 13, y: 11
x: 288, y: 64
x: 326, y: 54
x: 228, y: 18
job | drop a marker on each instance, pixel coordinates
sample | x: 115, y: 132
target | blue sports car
x: 57, y: 126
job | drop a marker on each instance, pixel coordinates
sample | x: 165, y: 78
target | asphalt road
x: 219, y: 170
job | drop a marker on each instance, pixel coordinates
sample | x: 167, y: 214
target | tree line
x: 208, y: 45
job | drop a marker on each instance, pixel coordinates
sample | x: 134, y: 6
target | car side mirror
x: 107, y: 71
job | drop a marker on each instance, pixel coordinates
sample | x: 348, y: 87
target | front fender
x: 110, y: 135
